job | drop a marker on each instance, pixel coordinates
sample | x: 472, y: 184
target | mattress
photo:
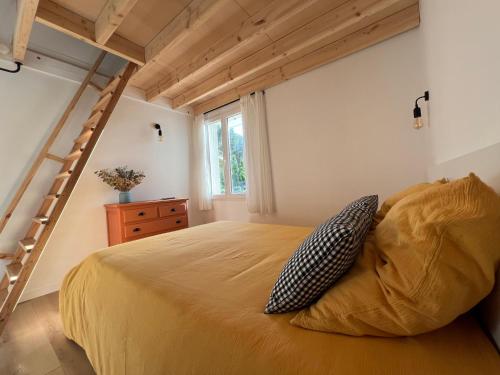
x: 192, y: 301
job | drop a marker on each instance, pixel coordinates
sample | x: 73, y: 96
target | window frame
x: 222, y: 115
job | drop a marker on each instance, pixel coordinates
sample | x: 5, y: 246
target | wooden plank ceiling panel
x: 111, y: 17
x: 181, y: 53
x: 253, y: 6
x: 201, y: 23
x: 143, y: 22
x: 204, y: 52
x: 329, y: 27
x: 388, y: 27
x: 241, y: 42
x: 148, y: 17
x: 89, y: 9
x: 55, y: 16
x: 270, y: 56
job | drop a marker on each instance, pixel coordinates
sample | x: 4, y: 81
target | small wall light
x: 417, y: 112
x: 160, y: 132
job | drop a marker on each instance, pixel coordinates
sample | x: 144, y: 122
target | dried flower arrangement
x: 121, y: 178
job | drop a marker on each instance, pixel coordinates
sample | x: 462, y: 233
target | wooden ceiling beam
x: 190, y: 20
x: 386, y: 28
x: 327, y: 28
x: 59, y: 18
x: 26, y: 10
x: 252, y: 35
x: 112, y: 15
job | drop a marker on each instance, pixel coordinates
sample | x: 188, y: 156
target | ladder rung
x: 41, y: 219
x: 54, y: 157
x: 96, y: 86
x: 52, y: 197
x: 92, y: 121
x: 27, y: 244
x: 111, y: 86
x: 102, y: 102
x: 84, y: 137
x: 74, y: 155
x: 13, y: 271
x: 64, y: 174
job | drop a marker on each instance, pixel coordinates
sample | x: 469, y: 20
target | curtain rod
x: 234, y: 101
x: 219, y: 107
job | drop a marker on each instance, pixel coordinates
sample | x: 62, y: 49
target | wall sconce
x: 160, y: 132
x: 417, y: 112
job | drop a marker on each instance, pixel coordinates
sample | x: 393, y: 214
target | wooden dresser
x: 131, y: 221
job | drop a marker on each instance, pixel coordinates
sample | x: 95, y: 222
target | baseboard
x: 38, y: 292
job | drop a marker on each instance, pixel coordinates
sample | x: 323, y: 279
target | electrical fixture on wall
x: 160, y: 132
x: 4, y: 51
x: 417, y: 112
x: 15, y: 70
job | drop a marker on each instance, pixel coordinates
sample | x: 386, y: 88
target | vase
x: 124, y: 197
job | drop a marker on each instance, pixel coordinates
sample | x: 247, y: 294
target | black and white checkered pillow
x: 323, y: 257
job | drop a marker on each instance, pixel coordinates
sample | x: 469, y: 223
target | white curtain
x: 201, y: 164
x: 260, y: 197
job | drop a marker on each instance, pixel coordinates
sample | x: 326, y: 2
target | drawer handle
x: 136, y: 230
x: 178, y: 222
x: 142, y: 213
x: 172, y: 210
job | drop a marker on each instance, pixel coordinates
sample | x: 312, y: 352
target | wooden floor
x: 33, y: 342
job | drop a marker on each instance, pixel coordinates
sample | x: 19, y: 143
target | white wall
x: 343, y: 131
x: 30, y: 103
x: 461, y: 47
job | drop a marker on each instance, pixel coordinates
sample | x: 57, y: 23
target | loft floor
x: 33, y: 342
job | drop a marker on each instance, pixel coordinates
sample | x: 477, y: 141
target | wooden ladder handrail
x: 50, y: 141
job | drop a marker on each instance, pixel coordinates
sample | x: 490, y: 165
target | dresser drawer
x: 178, y: 221
x: 172, y: 209
x: 139, y: 229
x: 139, y: 214
x: 161, y: 225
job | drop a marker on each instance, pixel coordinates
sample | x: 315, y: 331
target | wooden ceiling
x: 205, y: 53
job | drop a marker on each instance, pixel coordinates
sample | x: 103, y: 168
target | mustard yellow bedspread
x: 191, y: 302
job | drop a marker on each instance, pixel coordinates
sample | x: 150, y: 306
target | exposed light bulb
x: 419, y: 124
x: 417, y: 112
x: 160, y: 138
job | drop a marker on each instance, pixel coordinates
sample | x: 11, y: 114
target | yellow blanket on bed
x: 192, y: 301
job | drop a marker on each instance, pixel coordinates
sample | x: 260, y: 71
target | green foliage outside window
x: 238, y: 174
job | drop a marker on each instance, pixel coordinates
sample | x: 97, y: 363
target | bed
x: 191, y: 302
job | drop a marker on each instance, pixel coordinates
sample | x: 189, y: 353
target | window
x: 226, y: 152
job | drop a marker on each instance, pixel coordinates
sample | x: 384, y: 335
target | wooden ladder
x: 25, y: 258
